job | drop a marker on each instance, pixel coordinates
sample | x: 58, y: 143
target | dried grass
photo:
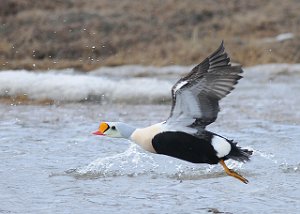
x: 53, y: 34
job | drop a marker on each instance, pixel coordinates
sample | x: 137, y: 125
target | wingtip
x: 219, y: 51
x: 222, y: 45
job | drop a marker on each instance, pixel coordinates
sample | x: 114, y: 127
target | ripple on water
x: 290, y: 168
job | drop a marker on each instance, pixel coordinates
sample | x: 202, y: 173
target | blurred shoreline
x: 129, y: 85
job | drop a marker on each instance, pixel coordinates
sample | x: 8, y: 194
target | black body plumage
x: 194, y: 149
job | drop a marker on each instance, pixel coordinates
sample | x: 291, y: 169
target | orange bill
x: 102, y: 128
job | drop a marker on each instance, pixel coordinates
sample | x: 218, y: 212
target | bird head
x: 115, y: 130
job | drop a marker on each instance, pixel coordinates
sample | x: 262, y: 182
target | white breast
x: 221, y: 145
x: 144, y: 136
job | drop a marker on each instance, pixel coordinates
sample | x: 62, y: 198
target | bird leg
x: 232, y: 173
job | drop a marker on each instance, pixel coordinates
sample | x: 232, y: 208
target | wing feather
x: 196, y: 96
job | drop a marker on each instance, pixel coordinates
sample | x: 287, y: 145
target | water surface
x: 50, y: 163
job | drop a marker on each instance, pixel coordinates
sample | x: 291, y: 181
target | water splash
x: 195, y: 173
x: 266, y: 156
x: 290, y: 168
x: 132, y: 162
x: 281, y: 165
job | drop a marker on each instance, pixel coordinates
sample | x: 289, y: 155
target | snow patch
x: 135, y: 84
x: 72, y: 87
x: 284, y: 36
x: 279, y: 38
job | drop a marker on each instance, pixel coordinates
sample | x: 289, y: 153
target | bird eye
x: 113, y: 128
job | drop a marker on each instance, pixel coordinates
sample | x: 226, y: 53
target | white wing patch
x: 221, y: 145
x: 179, y: 85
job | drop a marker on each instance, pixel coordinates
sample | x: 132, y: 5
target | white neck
x: 126, y: 130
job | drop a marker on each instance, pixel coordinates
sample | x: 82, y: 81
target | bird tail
x: 239, y: 154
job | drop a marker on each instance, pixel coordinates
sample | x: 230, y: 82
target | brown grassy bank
x: 87, y: 34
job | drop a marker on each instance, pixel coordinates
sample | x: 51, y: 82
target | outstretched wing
x: 196, y: 96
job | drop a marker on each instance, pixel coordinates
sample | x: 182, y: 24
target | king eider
x: 195, y: 104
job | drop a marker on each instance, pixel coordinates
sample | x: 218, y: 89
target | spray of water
x: 135, y: 162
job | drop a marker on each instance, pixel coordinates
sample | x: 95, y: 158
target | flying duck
x: 195, y: 104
